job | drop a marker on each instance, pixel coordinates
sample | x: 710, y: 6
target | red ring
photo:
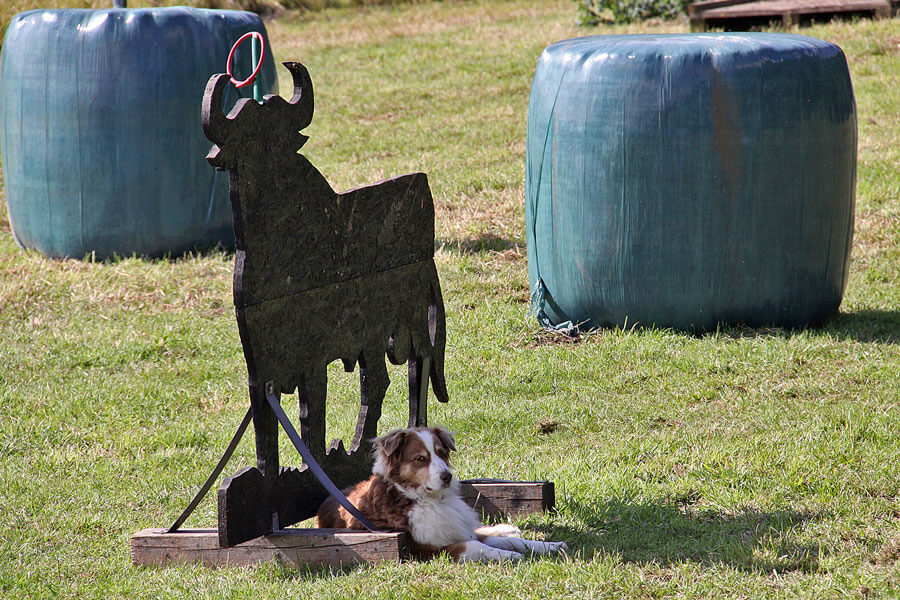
x: 262, y: 53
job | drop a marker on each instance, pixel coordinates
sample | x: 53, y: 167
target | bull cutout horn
x: 303, y: 94
x: 215, y: 124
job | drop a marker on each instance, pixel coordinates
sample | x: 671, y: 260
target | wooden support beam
x: 291, y: 547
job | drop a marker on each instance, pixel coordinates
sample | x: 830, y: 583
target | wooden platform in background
x: 725, y: 13
x: 495, y: 499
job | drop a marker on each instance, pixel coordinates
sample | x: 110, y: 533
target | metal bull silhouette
x: 319, y: 276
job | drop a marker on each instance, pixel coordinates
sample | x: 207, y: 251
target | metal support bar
x: 226, y: 456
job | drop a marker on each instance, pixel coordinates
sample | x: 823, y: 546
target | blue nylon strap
x: 313, y: 466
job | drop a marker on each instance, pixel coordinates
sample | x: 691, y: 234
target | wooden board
x: 497, y: 499
x: 292, y: 547
x: 720, y: 12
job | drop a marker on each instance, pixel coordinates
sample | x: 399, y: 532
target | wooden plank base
x: 719, y: 13
x: 496, y: 499
x: 292, y: 547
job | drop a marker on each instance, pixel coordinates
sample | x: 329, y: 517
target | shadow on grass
x: 310, y: 573
x: 663, y: 534
x: 659, y: 534
x: 479, y: 244
x: 867, y: 326
x: 226, y: 252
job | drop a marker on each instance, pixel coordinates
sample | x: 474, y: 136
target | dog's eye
x: 442, y: 454
x: 421, y: 459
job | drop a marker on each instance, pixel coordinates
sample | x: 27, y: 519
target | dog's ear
x: 445, y: 437
x: 391, y: 444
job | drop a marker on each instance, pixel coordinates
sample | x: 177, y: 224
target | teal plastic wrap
x: 102, y: 147
x: 690, y: 180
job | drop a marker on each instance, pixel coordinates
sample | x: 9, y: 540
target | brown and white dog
x: 412, y: 489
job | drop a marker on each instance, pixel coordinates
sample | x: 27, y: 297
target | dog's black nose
x: 446, y: 476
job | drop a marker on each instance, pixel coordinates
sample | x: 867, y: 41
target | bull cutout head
x: 295, y: 114
x: 319, y: 276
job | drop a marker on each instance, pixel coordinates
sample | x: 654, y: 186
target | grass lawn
x: 739, y: 464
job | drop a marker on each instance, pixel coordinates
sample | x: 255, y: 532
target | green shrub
x: 592, y: 12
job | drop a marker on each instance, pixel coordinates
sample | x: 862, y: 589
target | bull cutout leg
x: 419, y: 371
x: 373, y: 385
x: 265, y: 426
x: 312, y: 393
x: 246, y: 507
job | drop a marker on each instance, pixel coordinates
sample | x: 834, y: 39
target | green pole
x: 254, y: 54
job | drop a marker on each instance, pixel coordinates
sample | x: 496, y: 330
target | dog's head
x: 416, y: 460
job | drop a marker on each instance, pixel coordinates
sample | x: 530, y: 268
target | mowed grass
x: 739, y: 464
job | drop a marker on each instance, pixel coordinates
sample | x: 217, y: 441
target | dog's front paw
x: 505, y: 556
x: 478, y: 552
x: 545, y: 547
x: 558, y: 546
x: 500, y: 530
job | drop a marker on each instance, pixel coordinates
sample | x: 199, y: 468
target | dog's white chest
x: 441, y: 522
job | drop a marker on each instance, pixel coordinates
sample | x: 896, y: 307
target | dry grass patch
x: 876, y: 233
x: 5, y: 226
x: 32, y: 284
x: 495, y: 214
x: 480, y: 273
x: 374, y: 25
